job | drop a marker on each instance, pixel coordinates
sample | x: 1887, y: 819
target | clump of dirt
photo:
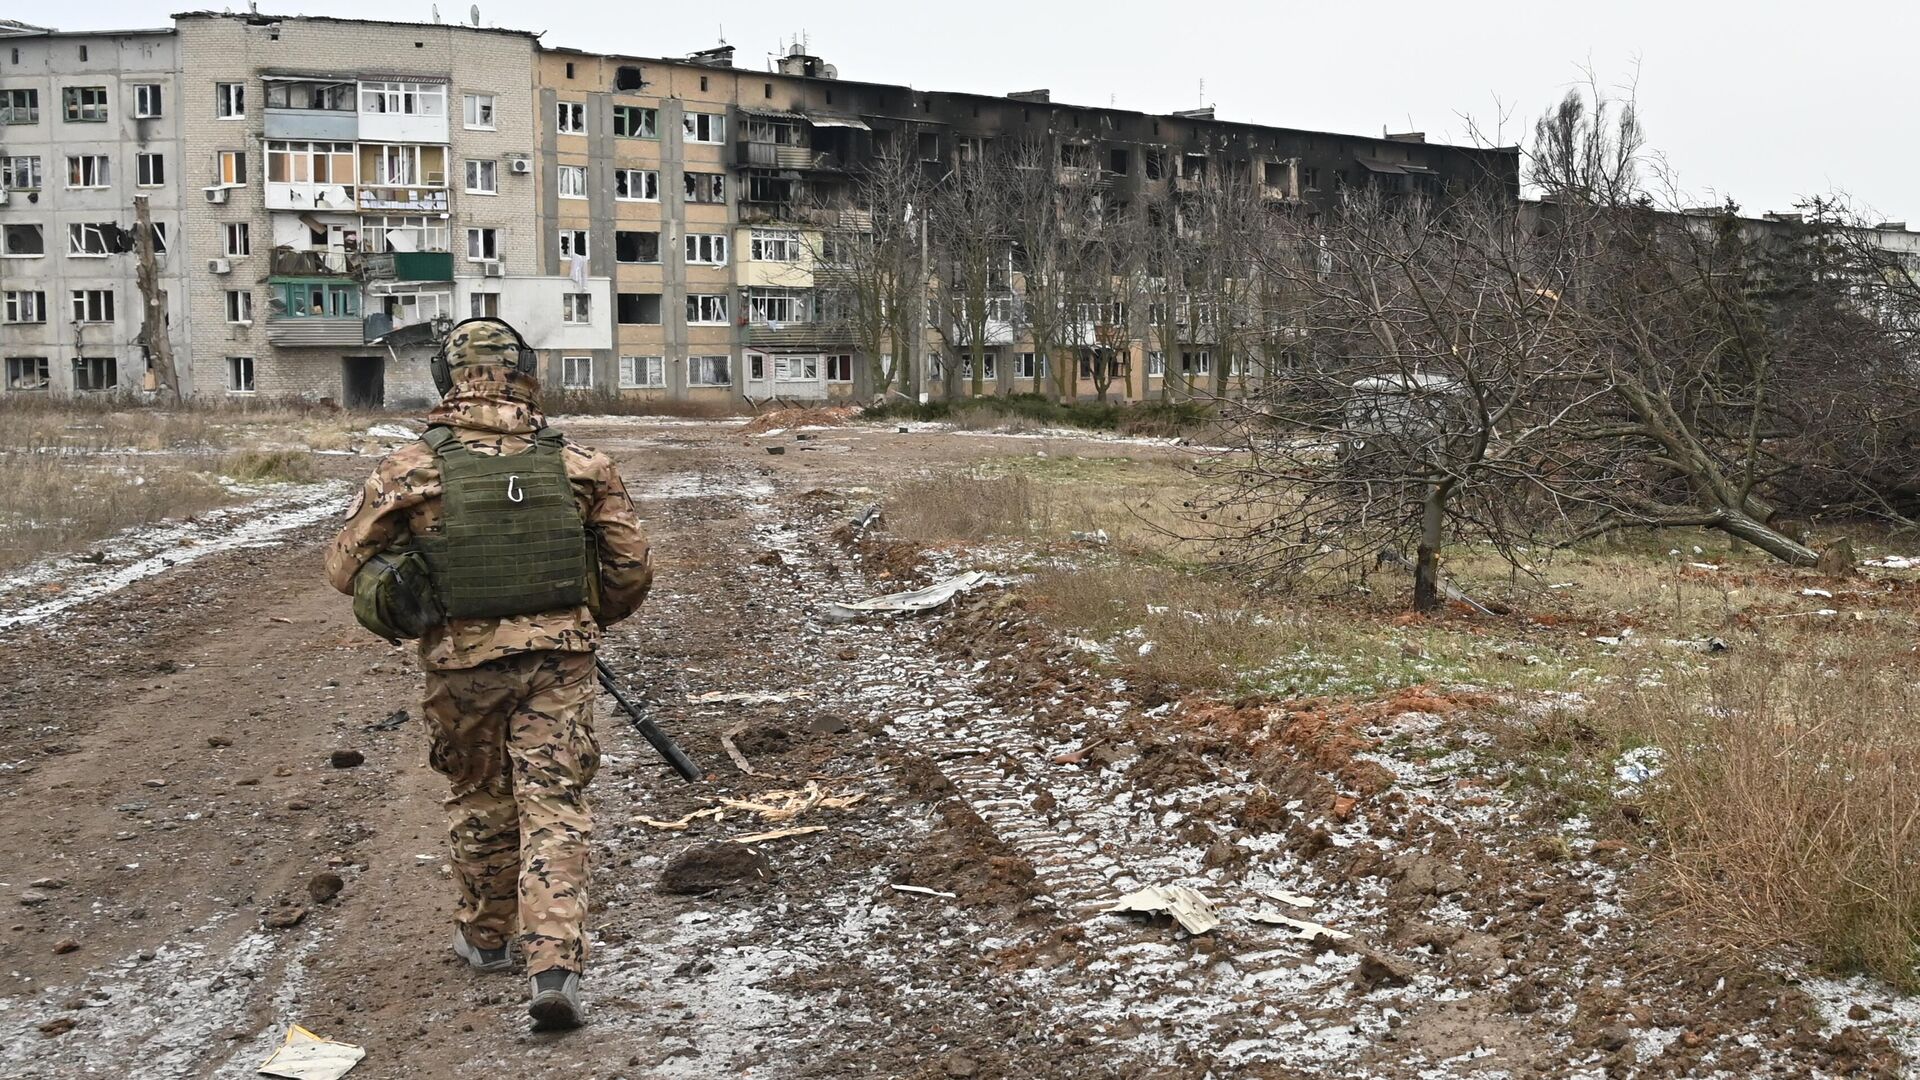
x: 703, y: 868
x: 764, y: 739
x: 787, y: 419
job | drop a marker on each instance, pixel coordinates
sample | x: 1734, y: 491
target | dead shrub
x: 269, y: 466
x: 1790, y: 802
x: 58, y: 502
x: 960, y: 507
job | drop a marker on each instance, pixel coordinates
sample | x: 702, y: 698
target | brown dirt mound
x: 830, y: 416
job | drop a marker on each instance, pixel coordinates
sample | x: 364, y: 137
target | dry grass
x: 64, y: 503
x: 963, y: 507
x: 269, y: 466
x: 1790, y: 800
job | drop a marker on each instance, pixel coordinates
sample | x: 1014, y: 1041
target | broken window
x: 761, y: 129
x: 636, y: 122
x: 85, y: 104
x: 706, y: 187
x: 573, y: 242
x: 239, y: 374
x: 403, y: 232
x: 1194, y: 166
x: 637, y: 309
x: 230, y: 100
x: 970, y: 148
x: 628, y: 77
x: 1075, y: 155
x: 25, y: 307
x: 95, y: 373
x: 479, y: 112
x: 1155, y: 164
x: 570, y: 118
x: 22, y: 241
x: 779, y: 305
x: 324, y: 96
x: 19, y: 106
x: 636, y: 185
x: 776, y: 245
x: 638, y: 372
x: 572, y: 180
x: 703, y: 127
x: 929, y: 144
x: 20, y: 173
x: 88, y: 240
x: 483, y: 245
x: 238, y: 243
x: 1309, y: 178
x: 1119, y: 161
x: 576, y: 307
x: 707, y: 249
x: 706, y: 309
x: 1196, y: 362
x: 483, y: 305
x: 404, y: 98
x: 769, y: 189
x: 27, y: 373
x: 840, y: 367
x: 239, y: 306
x: 146, y: 101
x: 315, y: 299
x: 633, y: 246
x: 709, y: 371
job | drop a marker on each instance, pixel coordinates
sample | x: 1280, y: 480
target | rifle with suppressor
x: 676, y: 757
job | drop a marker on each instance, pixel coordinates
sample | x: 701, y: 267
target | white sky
x: 1761, y: 100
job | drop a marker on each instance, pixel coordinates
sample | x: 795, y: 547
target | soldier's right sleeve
x: 626, y: 558
x: 377, y: 518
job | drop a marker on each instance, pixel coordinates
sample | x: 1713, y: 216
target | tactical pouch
x: 393, y: 596
x: 593, y: 572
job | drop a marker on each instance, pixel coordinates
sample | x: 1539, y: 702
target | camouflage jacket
x: 491, y: 410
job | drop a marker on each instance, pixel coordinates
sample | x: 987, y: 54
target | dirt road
x: 169, y: 792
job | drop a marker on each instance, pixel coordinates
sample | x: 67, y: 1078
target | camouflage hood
x: 493, y: 398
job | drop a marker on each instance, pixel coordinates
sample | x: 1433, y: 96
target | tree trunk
x: 153, y: 327
x: 1427, y: 597
x: 1776, y: 544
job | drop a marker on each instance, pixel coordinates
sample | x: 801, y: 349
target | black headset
x: 525, y: 362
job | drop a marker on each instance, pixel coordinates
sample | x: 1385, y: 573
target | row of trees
x: 1426, y: 370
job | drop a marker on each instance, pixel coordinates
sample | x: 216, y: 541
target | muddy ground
x: 172, y: 794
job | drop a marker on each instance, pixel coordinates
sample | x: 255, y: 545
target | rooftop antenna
x: 436, y: 14
x: 475, y: 12
x: 1203, y: 94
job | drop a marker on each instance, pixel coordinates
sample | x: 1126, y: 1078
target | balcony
x: 414, y: 198
x: 409, y: 266
x: 288, y: 195
x: 315, y: 331
x: 766, y: 155
x: 827, y: 336
x: 324, y: 125
x: 294, y: 262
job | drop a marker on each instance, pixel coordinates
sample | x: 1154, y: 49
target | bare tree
x: 969, y: 252
x: 867, y: 254
x: 154, y: 332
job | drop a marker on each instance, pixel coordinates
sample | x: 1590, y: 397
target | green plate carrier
x: 511, y: 540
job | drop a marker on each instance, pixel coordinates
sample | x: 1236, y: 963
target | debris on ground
x: 1096, y: 538
x: 679, y: 824
x: 927, y: 599
x: 324, y: 886
x: 1303, y: 927
x: 346, y: 759
x: 306, y: 1056
x: 703, y: 868
x: 922, y: 890
x: 1191, y: 910
x: 750, y: 697
x: 777, y: 420
x: 733, y: 751
x: 778, y: 834
x: 285, y: 917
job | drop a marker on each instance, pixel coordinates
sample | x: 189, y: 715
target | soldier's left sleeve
x: 376, y: 520
x: 626, y: 558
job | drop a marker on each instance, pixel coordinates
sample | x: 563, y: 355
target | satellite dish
x: 476, y: 14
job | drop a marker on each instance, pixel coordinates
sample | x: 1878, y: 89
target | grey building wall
x: 118, y: 61
x: 236, y: 48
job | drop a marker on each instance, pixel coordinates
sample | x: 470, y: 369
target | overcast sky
x: 1762, y: 100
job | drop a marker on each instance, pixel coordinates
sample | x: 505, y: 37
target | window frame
x: 575, y: 109
x: 836, y: 362
x: 28, y: 104
x: 474, y: 170
x: 576, y: 309
x: 567, y: 380
x: 483, y: 233
x: 41, y: 365
x: 470, y: 107
x: 571, y: 242
x: 94, y: 367
x: 715, y: 123
x: 650, y: 180
x: 102, y: 170
x: 149, y: 169
x: 649, y: 115
x: 236, y: 176
x: 561, y: 172
x: 235, y: 366
x: 77, y: 233
x: 230, y: 101
x: 23, y: 306
x: 93, y: 307
x: 236, y: 230
x: 701, y: 308
x: 654, y: 369
x: 6, y: 249
x: 714, y: 244
x: 78, y: 104
x: 10, y: 173
x: 715, y: 188
x: 761, y: 241
x: 148, y: 103
x: 239, y: 305
x: 702, y: 363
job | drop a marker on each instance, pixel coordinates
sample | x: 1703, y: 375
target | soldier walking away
x: 505, y: 548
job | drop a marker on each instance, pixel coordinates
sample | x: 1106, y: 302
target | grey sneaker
x: 480, y: 959
x: 556, y: 1004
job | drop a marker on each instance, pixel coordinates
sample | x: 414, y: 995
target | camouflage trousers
x: 515, y: 738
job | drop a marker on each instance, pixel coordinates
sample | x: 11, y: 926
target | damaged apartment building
x: 330, y: 193
x: 696, y: 187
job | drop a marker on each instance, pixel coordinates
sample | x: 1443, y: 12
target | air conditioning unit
x: 521, y: 165
x: 219, y: 266
x: 493, y: 269
x: 216, y: 195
